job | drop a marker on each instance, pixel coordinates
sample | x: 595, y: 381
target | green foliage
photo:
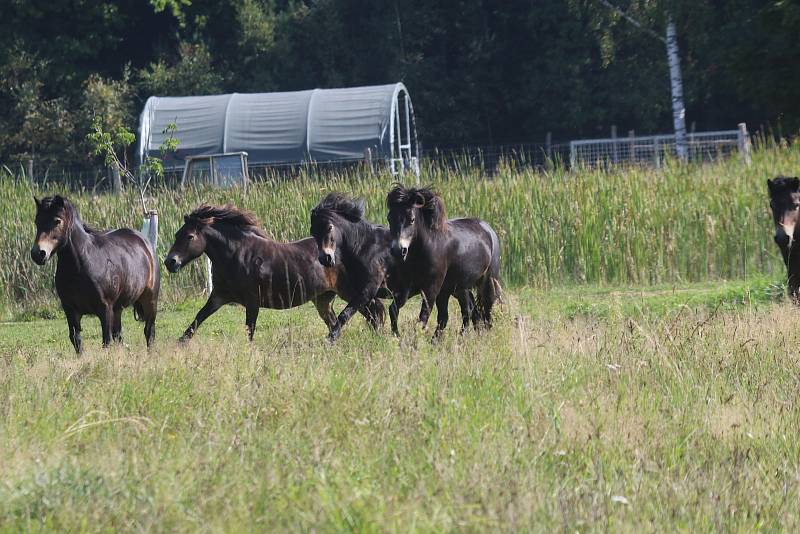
x: 33, y: 123
x: 110, y: 100
x: 191, y: 74
x: 175, y: 7
x: 479, y: 72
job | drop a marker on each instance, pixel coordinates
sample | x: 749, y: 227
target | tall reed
x: 628, y: 225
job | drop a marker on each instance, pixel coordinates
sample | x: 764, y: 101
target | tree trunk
x: 676, y: 84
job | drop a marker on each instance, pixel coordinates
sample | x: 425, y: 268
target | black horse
x: 784, y: 199
x: 98, y: 273
x: 250, y: 269
x: 443, y: 257
x: 345, y: 239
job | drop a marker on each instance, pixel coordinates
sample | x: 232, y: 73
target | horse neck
x: 74, y: 249
x: 218, y: 246
x: 354, y: 237
x: 223, y: 241
x: 424, y: 239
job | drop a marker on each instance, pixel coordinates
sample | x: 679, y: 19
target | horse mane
x: 350, y: 208
x: 783, y: 183
x: 426, y: 199
x: 228, y: 214
x: 57, y: 201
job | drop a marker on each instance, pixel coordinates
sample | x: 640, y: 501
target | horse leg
x: 476, y: 311
x: 251, y: 316
x: 74, y: 325
x: 467, y: 308
x: 148, y: 308
x: 344, y: 316
x: 116, y: 326
x: 442, y: 313
x: 324, y: 304
x: 106, y: 315
x: 429, y: 296
x: 352, y: 307
x: 213, y: 303
x: 394, y: 310
x: 487, y: 295
x: 374, y: 313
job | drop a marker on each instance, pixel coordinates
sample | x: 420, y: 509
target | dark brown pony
x: 98, y: 273
x: 784, y: 200
x: 250, y: 269
x: 443, y: 257
x: 345, y: 239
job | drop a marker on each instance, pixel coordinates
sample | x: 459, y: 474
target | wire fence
x: 487, y: 159
x: 653, y: 149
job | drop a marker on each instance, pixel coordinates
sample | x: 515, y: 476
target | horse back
x: 473, y: 248
x: 118, y: 267
x: 286, y: 274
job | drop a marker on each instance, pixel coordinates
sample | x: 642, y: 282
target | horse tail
x: 490, y: 289
x: 498, y: 290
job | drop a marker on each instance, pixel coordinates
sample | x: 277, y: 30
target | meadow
x: 642, y: 374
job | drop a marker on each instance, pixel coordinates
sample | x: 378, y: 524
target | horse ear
x: 419, y: 201
x: 362, y: 205
x: 795, y: 183
x: 38, y: 202
x: 769, y: 184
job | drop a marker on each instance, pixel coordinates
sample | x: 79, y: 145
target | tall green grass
x: 619, y: 226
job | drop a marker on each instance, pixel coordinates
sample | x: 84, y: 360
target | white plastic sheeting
x: 318, y: 125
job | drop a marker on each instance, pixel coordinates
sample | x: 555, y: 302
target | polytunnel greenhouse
x: 375, y: 123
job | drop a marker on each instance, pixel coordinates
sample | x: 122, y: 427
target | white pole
x: 676, y: 84
x: 209, y: 278
x: 150, y: 228
x: 745, y: 146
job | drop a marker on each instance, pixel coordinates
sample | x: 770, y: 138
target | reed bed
x: 627, y: 225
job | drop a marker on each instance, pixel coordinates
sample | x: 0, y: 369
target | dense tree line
x: 479, y: 71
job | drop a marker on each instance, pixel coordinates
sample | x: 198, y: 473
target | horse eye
x: 191, y: 236
x: 57, y: 221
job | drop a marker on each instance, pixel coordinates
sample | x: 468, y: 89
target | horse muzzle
x: 327, y: 259
x: 172, y: 264
x: 39, y: 255
x: 781, y: 239
x: 400, y: 251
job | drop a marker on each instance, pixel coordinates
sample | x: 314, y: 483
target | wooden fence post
x: 745, y: 146
x: 548, y: 146
x: 656, y: 155
x: 116, y: 183
x: 631, y: 146
x: 614, y: 146
x: 368, y: 159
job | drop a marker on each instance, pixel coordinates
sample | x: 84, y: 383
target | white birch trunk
x: 676, y: 84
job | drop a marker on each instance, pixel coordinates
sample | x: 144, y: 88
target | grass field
x: 643, y: 374
x: 584, y: 409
